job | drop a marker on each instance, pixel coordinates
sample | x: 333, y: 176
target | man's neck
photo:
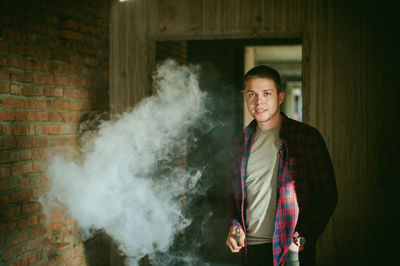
x: 271, y: 123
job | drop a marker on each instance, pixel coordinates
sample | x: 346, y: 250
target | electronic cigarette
x: 237, y: 234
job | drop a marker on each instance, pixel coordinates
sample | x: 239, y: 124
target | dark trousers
x: 261, y: 255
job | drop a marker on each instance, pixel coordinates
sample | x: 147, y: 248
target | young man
x: 282, y: 187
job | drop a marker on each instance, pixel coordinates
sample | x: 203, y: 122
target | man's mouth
x: 260, y: 111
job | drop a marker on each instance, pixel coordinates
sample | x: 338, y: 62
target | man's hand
x: 234, y: 246
x: 295, y: 248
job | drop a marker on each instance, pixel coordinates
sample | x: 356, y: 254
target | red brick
x: 3, y: 87
x: 71, y: 221
x: 87, y: 29
x: 4, y: 200
x: 15, y: 103
x: 42, y: 218
x: 56, y: 117
x: 20, y: 250
x: 28, y: 91
x: 36, y: 231
x: 22, y: 168
x: 16, y: 89
x: 3, y: 186
x: 74, y: 141
x: 28, y: 221
x: 7, y: 228
x: 5, y: 171
x: 73, y: 69
x: 60, y: 105
x: 41, y: 154
x: 8, y: 254
x: 55, y: 92
x: 31, y: 38
x: 7, y: 143
x: 79, y: 82
x: 53, y: 20
x: 24, y: 143
x: 68, y: 92
x: 51, y: 129
x: 4, y: 74
x: 22, y: 195
x: 16, y: 62
x: 20, y: 116
x: 4, y: 157
x: 56, y: 68
x: 37, y: 65
x: 23, y: 155
x: 77, y: 59
x: 73, y: 117
x: 93, y: 84
x: 30, y: 259
x: 16, y: 238
x: 64, y: 257
x: 68, y: 129
x: 76, y: 261
x: 80, y: 106
x: 43, y: 79
x: 37, y: 116
x: 56, y: 225
x: 24, y: 183
x: 72, y: 35
x: 82, y: 93
x: 44, y: 179
x: 39, y: 166
x: 57, y: 213
x: 3, y: 46
x: 35, y: 104
x: 69, y: 24
x: 22, y: 77
x: 92, y: 61
x: 14, y: 35
x: 39, y: 52
x: 61, y: 56
x: 61, y: 80
x: 106, y: 75
x: 31, y: 207
x: 39, y: 90
x: 32, y: 244
x: 32, y: 142
x: 16, y: 130
x: 7, y: 116
x: 39, y: 192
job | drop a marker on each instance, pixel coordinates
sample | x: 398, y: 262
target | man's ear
x: 281, y: 97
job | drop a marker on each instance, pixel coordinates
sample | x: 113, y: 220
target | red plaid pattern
x: 307, y: 193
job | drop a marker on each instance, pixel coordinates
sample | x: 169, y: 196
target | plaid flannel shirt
x: 307, y: 193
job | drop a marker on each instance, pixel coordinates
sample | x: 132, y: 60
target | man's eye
x: 251, y: 94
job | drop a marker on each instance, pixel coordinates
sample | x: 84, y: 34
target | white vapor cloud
x: 127, y: 182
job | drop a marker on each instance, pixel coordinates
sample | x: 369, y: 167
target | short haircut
x: 263, y: 71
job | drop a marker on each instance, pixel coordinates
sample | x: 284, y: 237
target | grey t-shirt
x: 261, y: 182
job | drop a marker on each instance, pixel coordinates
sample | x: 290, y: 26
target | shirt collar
x: 251, y: 128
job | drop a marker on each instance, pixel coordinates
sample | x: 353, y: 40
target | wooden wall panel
x: 129, y: 57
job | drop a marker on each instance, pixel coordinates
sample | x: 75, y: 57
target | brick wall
x: 53, y: 70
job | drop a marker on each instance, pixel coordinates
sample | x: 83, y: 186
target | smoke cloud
x: 128, y: 182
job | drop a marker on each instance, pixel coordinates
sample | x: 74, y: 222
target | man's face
x: 263, y: 101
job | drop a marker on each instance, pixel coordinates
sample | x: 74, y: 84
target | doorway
x: 223, y: 63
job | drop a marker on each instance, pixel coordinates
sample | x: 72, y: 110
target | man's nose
x: 259, y: 99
